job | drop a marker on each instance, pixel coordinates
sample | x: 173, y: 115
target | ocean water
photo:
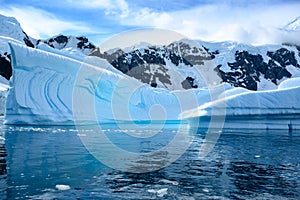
x: 52, y: 163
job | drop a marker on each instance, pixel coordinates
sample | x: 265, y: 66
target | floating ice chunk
x: 62, y: 187
x: 159, y: 193
x: 169, y: 182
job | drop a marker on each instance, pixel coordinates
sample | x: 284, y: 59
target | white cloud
x: 115, y: 7
x: 255, y: 24
x: 146, y: 17
x: 41, y: 24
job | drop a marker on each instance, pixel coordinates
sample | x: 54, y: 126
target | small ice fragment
x: 205, y: 190
x: 159, y: 193
x: 162, y: 192
x: 257, y: 156
x: 169, y: 182
x: 151, y: 191
x: 62, y: 187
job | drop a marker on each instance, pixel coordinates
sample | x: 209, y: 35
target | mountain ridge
x: 179, y: 65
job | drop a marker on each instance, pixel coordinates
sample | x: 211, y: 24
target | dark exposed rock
x: 139, y: 62
x: 211, y: 53
x: 84, y: 43
x: 82, y: 39
x: 247, y: 68
x: 153, y: 85
x: 142, y: 73
x: 188, y: 83
x: 284, y: 57
x: 127, y: 61
x: 61, y: 39
x: 27, y: 41
x: 189, y: 55
x: 96, y: 52
x: 5, y: 66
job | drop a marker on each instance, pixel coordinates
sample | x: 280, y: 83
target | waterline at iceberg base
x: 51, y: 89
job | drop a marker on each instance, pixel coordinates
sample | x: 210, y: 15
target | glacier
x: 51, y: 89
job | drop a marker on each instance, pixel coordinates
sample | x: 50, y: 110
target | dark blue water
x: 35, y: 161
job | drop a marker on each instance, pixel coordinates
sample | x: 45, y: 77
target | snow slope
x: 48, y: 88
x: 10, y: 27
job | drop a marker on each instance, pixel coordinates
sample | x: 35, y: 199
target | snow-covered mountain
x: 255, y: 67
x: 251, y: 67
x: 180, y: 65
x: 10, y: 30
x: 70, y: 44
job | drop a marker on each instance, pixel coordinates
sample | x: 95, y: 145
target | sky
x: 252, y: 22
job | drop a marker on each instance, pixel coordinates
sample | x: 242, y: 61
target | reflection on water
x: 251, y: 177
x: 243, y: 165
x: 3, y: 167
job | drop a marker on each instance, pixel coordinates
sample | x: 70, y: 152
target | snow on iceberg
x: 47, y: 88
x: 271, y: 109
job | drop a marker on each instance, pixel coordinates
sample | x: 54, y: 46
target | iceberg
x: 270, y: 109
x: 53, y: 89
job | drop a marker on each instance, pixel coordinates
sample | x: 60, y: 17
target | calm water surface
x: 35, y: 161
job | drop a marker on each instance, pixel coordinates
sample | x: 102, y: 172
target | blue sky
x: 249, y: 21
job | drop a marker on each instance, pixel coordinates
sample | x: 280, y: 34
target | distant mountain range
x: 182, y: 64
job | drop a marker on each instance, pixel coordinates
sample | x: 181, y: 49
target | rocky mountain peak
x: 160, y: 65
x: 182, y: 64
x: 63, y: 42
